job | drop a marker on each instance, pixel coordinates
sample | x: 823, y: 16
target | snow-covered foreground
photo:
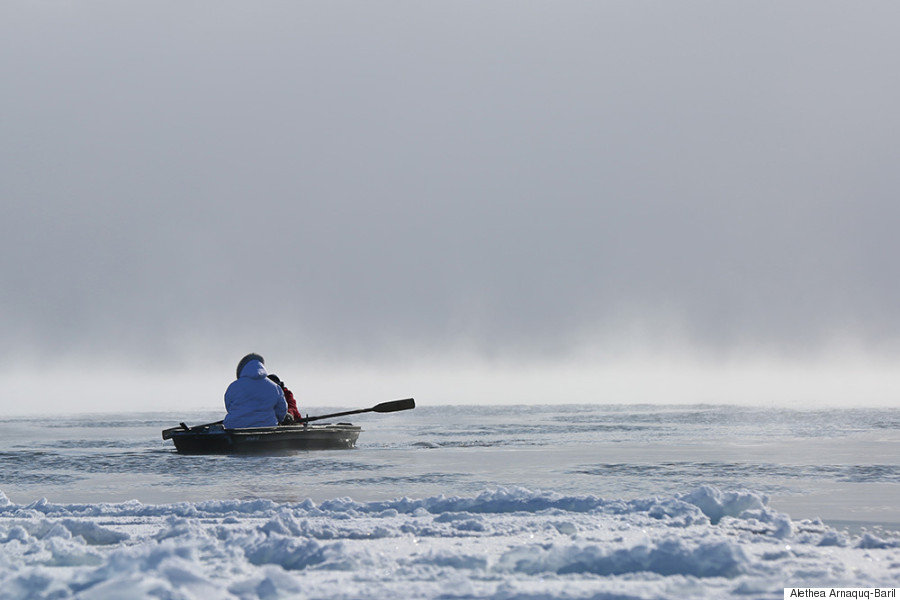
x: 507, y: 543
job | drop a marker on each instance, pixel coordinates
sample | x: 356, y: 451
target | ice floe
x: 503, y: 543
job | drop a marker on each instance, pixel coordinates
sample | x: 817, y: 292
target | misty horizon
x: 537, y: 197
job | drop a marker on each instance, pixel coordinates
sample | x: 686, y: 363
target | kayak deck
x: 215, y: 439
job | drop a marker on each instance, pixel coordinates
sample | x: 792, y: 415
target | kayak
x: 215, y: 439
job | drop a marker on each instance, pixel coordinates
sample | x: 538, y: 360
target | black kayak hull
x: 261, y: 440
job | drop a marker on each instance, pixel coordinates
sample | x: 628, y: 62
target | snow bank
x: 502, y: 543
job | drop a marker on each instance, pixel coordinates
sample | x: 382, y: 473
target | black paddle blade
x: 168, y: 433
x: 394, y: 406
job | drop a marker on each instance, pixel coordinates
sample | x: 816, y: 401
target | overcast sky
x: 415, y: 183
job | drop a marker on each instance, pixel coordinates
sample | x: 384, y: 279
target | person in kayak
x: 253, y: 400
x: 293, y: 411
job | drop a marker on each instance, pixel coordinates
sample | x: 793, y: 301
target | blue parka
x: 252, y: 400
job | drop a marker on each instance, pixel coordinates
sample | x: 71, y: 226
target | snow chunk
x: 94, y: 534
x: 271, y: 584
x: 832, y: 538
x: 295, y: 554
x: 872, y: 541
x: 717, y: 504
x: 669, y: 557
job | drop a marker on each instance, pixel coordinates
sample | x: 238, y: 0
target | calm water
x: 841, y: 465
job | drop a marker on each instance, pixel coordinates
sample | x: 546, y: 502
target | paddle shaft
x: 384, y: 407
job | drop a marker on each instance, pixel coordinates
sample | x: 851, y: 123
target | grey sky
x: 339, y: 180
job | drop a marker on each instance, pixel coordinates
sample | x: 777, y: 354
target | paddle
x: 384, y: 407
x: 167, y: 433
